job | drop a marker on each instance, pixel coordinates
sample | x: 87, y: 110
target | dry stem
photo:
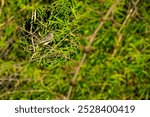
x: 111, y: 9
x: 131, y: 13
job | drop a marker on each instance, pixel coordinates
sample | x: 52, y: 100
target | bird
x: 46, y: 39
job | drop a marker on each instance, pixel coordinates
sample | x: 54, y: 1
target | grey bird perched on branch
x: 46, y: 39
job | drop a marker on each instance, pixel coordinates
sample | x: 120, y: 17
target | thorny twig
x: 111, y: 9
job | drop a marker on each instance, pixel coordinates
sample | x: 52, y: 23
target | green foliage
x: 30, y: 71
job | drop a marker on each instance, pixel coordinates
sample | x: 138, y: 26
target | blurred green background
x: 117, y: 65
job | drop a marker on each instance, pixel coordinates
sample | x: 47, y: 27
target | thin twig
x: 28, y: 32
x: 111, y: 9
x: 131, y: 13
x: 32, y: 20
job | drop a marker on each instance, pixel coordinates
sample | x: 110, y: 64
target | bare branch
x: 111, y: 9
